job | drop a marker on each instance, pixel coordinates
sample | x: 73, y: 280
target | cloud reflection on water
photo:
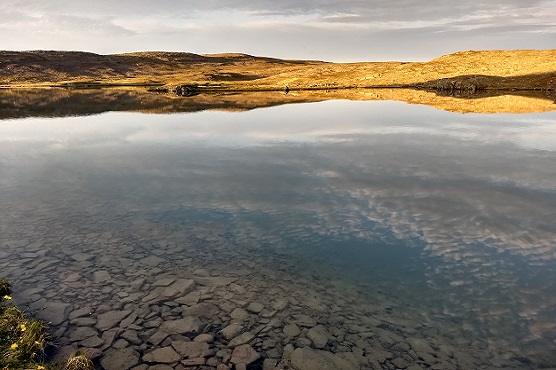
x: 478, y: 192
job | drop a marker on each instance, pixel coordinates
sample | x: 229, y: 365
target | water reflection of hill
x: 58, y: 102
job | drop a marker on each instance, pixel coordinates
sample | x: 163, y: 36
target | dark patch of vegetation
x: 5, y: 288
x: 234, y: 77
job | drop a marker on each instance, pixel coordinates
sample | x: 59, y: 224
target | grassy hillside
x: 470, y: 70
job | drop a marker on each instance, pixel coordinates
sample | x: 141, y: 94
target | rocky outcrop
x: 464, y: 84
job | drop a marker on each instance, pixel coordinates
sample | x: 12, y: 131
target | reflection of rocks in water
x: 197, y: 298
x: 179, y: 90
x: 20, y: 103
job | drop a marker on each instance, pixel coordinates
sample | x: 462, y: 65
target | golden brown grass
x: 518, y: 81
x: 78, y: 362
x: 498, y: 69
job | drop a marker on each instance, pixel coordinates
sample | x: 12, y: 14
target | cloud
x: 327, y: 29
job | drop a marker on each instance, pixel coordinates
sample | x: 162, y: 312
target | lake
x: 354, y: 234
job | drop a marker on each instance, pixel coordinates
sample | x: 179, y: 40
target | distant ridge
x: 466, y: 70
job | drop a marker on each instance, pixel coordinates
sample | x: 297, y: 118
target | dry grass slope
x: 529, y: 69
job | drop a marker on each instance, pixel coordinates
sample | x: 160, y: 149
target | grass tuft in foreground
x: 78, y: 362
x: 23, y: 340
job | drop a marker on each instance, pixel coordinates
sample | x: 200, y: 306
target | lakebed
x: 366, y: 234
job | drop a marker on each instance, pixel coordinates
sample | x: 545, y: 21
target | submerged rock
x: 192, y: 349
x: 255, y: 307
x: 122, y: 359
x: 244, y: 354
x: 201, y: 310
x: 231, y: 331
x: 241, y: 339
x: 312, y: 359
x: 291, y: 330
x: 319, y: 336
x: 204, y: 338
x: 82, y: 333
x: 54, y: 313
x: 304, y: 320
x: 165, y: 355
x: 179, y: 288
x: 110, y: 319
x: 187, y: 325
x: 239, y: 314
x: 101, y: 276
x: 152, y: 260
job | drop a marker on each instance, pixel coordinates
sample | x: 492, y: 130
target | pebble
x: 244, y: 354
x: 192, y: 349
x: 310, y: 359
x: 81, y: 333
x: 187, y: 325
x: 110, y: 319
x: 255, y: 307
x: 206, y: 338
x: 291, y: 330
x: 193, y: 361
x: 239, y: 314
x: 92, y: 342
x: 164, y: 355
x: 231, y: 331
x: 304, y: 320
x: 152, y: 261
x: 319, y: 336
x: 101, y: 276
x: 55, y: 312
x: 122, y: 359
x: 131, y: 336
x: 241, y: 339
x: 82, y: 312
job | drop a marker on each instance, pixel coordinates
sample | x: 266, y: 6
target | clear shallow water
x: 383, y: 222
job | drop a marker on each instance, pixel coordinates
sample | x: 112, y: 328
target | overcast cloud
x: 320, y: 29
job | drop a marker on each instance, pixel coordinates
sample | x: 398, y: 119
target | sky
x: 331, y: 30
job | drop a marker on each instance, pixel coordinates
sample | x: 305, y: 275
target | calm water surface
x: 392, y: 226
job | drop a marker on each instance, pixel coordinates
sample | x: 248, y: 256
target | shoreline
x: 448, y: 90
x: 61, y: 102
x: 428, y: 86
